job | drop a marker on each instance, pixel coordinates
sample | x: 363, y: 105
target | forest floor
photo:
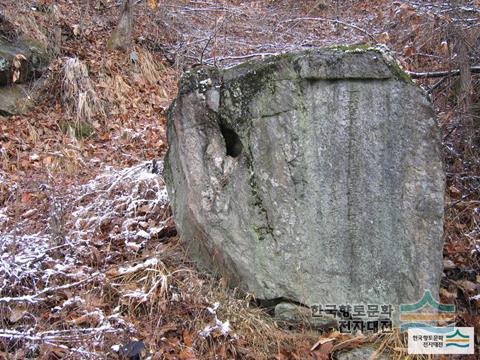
x: 90, y: 260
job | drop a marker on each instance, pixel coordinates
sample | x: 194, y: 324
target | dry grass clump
x: 149, y: 69
x: 209, y: 318
x: 143, y: 286
x: 118, y: 92
x: 395, y: 344
x: 78, y: 94
x: 135, y: 82
x: 177, y: 303
x: 254, y: 328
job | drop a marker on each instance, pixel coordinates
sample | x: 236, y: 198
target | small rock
x: 134, y: 350
x: 449, y: 265
x: 362, y: 353
x: 293, y: 314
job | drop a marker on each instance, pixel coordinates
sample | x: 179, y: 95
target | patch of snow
x: 132, y: 269
x: 133, y: 246
x: 74, y: 300
x: 3, y: 215
x: 137, y: 294
x: 213, y: 309
x: 22, y: 258
x: 131, y: 196
x: 143, y: 234
x: 476, y: 249
x: 223, y: 327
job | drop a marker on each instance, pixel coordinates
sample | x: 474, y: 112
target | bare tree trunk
x: 121, y: 37
x: 465, y: 101
x: 465, y: 98
x: 57, y: 31
x: 465, y: 95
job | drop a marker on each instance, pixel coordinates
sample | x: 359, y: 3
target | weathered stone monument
x: 314, y: 177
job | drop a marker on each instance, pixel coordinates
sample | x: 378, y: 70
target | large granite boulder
x: 314, y: 177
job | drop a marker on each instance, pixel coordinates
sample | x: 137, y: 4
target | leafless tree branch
x: 335, y: 21
x: 437, y: 74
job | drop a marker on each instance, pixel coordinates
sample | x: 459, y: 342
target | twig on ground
x: 55, y: 335
x: 240, y: 57
x: 38, y: 296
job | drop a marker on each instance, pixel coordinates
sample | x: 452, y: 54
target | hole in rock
x: 232, y: 142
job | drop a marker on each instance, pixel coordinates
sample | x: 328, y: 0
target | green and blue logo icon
x: 458, y: 340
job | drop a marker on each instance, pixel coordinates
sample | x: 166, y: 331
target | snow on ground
x: 126, y: 199
x: 102, y: 222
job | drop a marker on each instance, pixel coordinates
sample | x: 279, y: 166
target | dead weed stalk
x: 78, y: 94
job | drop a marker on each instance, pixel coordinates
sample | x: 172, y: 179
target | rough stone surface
x: 313, y: 176
x: 14, y: 99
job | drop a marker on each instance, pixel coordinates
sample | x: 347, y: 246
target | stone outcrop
x: 32, y: 65
x: 313, y: 176
x: 28, y: 59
